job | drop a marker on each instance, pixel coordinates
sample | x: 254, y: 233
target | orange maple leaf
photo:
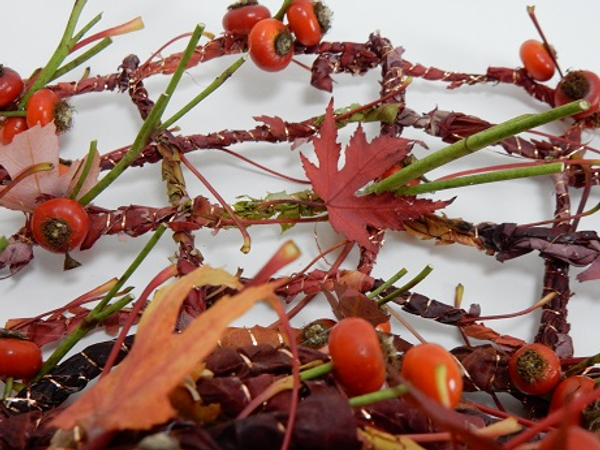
x: 135, y: 395
x: 350, y: 214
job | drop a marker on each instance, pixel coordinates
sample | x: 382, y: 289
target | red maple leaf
x: 350, y: 214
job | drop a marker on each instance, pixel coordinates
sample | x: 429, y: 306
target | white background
x: 466, y: 36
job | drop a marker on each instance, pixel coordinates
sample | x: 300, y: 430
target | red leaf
x: 350, y: 302
x: 591, y: 273
x: 350, y: 214
x: 16, y: 256
x: 275, y: 124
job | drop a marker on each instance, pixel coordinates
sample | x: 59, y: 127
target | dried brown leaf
x: 443, y: 230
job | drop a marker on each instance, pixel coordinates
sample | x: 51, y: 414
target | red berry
x: 11, y: 86
x: 308, y: 21
x: 19, y: 358
x: 11, y: 127
x: 571, y: 438
x: 534, y: 369
x: 241, y: 17
x: 537, y: 61
x: 421, y: 366
x: 45, y: 106
x: 270, y: 45
x: 384, y: 327
x: 357, y: 357
x: 570, y: 389
x: 391, y: 171
x: 316, y: 333
x: 579, y: 85
x: 59, y: 224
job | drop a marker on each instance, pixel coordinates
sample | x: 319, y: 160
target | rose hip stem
x: 489, y: 177
x: 150, y: 125
x: 102, y: 309
x: 227, y: 73
x: 62, y: 51
x: 474, y: 143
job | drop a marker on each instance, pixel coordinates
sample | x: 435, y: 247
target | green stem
x: 149, y: 126
x: 3, y: 243
x: 131, y: 269
x: 82, y: 58
x: 474, y: 143
x: 490, y: 177
x: 316, y: 372
x: 67, y: 344
x: 205, y: 93
x: 62, y: 51
x: 375, y: 292
x: 281, y: 13
x: 361, y: 400
x: 19, y: 113
x: 87, y: 27
x: 377, y: 396
x: 113, y: 308
x: 408, y: 286
x: 185, y: 58
x: 8, y: 387
x: 580, y: 367
x: 86, y: 170
x: 146, y: 130
x: 99, y: 312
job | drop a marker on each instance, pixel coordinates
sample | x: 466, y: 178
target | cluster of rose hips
x: 60, y: 224
x: 575, y: 85
x: 270, y: 41
x: 42, y: 107
x: 359, y: 365
x: 535, y: 369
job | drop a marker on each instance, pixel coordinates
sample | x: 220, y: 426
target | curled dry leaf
x: 443, y: 229
x: 480, y: 331
x: 14, y: 257
x: 135, y: 395
x: 350, y: 302
x: 34, y: 146
x: 56, y: 326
